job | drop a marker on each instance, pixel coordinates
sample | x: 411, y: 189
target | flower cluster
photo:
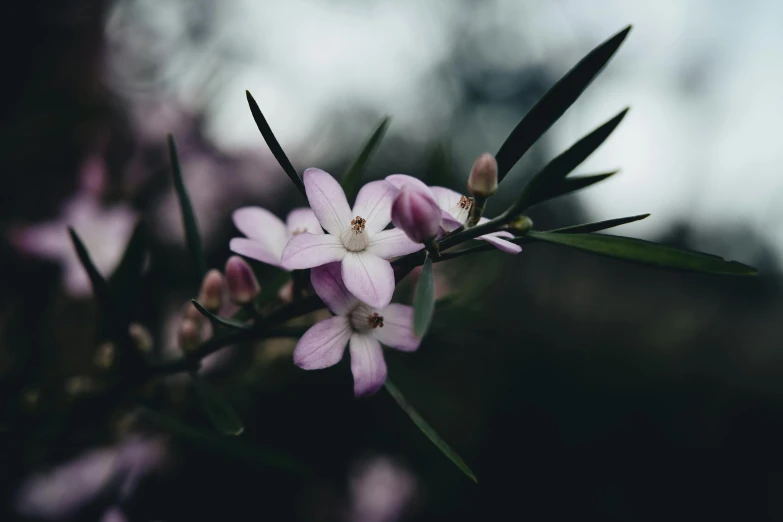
x: 348, y: 249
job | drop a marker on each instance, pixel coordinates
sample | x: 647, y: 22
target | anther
x: 357, y: 224
x: 375, y: 320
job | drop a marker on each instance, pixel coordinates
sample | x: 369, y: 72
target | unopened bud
x: 104, y: 355
x: 189, y: 335
x: 241, y: 281
x: 141, y: 337
x: 417, y: 214
x: 483, y: 179
x: 211, y: 295
x: 521, y: 224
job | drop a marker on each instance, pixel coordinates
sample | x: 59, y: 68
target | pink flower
x: 417, y: 214
x: 456, y: 209
x: 267, y: 235
x: 357, y: 324
x: 356, y: 237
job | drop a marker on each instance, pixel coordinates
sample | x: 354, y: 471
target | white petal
x: 323, y: 344
x: 392, y: 243
x: 502, y: 245
x: 373, y: 203
x: 302, y: 220
x: 328, y: 283
x: 308, y: 250
x: 327, y: 200
x: 446, y: 198
x: 397, y: 330
x: 367, y: 364
x: 398, y: 180
x: 255, y: 250
x: 260, y: 224
x: 369, y: 278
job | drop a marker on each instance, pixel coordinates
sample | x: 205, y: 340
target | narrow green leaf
x: 124, y: 282
x: 223, y: 321
x: 99, y: 285
x: 598, y: 225
x: 568, y: 185
x: 428, y: 430
x: 424, y: 299
x: 550, y: 178
x: 352, y: 178
x: 192, y: 236
x: 273, y: 144
x: 554, y: 103
x: 640, y: 251
x: 217, y: 409
x: 228, y: 446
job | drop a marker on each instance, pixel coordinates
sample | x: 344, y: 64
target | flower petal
x: 398, y: 180
x: 308, y: 250
x: 368, y: 277
x: 327, y: 200
x: 450, y: 224
x: 254, y: 250
x: 501, y: 244
x: 323, y: 344
x: 397, y: 330
x: 446, y: 198
x: 263, y: 226
x: 302, y: 220
x: 373, y: 203
x: 367, y: 364
x: 392, y: 243
x: 328, y: 283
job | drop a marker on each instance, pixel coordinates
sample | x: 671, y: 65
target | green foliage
x: 192, y: 236
x: 424, y: 299
x: 353, y: 176
x: 218, y: 410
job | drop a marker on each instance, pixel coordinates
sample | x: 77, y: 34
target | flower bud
x: 211, y: 294
x: 242, y: 283
x: 483, y: 179
x: 417, y: 214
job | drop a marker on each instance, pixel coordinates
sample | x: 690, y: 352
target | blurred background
x: 571, y: 384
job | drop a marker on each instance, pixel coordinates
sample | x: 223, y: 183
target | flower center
x: 354, y: 238
x: 465, y: 203
x: 375, y: 320
x: 461, y: 211
x: 364, y: 318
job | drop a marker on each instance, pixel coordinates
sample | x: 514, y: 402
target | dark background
x: 573, y: 385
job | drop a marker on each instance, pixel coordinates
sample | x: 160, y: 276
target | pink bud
x: 242, y: 283
x: 483, y: 179
x: 416, y: 213
x: 211, y: 294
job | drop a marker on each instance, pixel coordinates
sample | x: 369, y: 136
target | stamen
x: 358, y: 223
x: 375, y: 320
x: 354, y: 238
x: 465, y: 202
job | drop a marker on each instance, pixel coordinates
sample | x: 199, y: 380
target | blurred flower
x: 380, y: 491
x: 417, y: 214
x: 267, y: 235
x: 456, y: 210
x: 113, y: 472
x: 361, y: 242
x: 242, y: 284
x: 105, y: 231
x: 355, y: 323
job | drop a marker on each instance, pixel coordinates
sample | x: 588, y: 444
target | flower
x: 456, y: 210
x: 357, y: 324
x: 483, y: 178
x: 417, y: 214
x: 242, y: 284
x: 356, y: 236
x: 267, y: 235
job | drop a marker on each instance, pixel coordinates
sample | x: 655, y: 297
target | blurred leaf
x: 223, y: 321
x: 99, y: 285
x: 424, y: 299
x: 568, y: 185
x: 124, y: 282
x: 192, y: 236
x: 598, y: 225
x: 550, y: 178
x: 646, y: 252
x: 270, y: 289
x: 218, y: 410
x: 228, y: 446
x: 428, y: 430
x: 352, y: 178
x: 554, y: 103
x: 273, y: 144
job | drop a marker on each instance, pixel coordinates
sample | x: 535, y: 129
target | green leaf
x: 192, y: 236
x: 549, y: 179
x: 568, y: 185
x: 230, y: 447
x: 424, y: 299
x: 428, y: 430
x: 274, y: 145
x: 223, y: 321
x: 640, y: 251
x: 124, y: 282
x: 217, y: 409
x: 598, y: 225
x: 554, y: 103
x: 353, y: 176
x: 99, y: 285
